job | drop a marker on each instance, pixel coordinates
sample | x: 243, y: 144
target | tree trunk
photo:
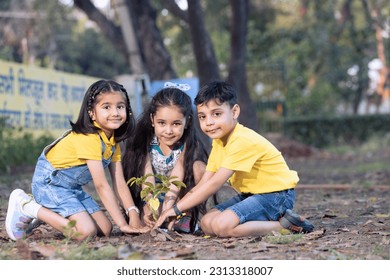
x: 156, y: 59
x: 206, y: 61
x: 130, y: 38
x: 154, y: 53
x: 237, y: 67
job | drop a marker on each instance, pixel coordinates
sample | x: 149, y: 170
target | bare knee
x: 221, y: 229
x: 223, y: 225
x: 207, y: 221
x: 213, y: 225
x: 205, y: 224
x: 85, y: 233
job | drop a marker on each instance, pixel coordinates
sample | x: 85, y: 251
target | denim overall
x: 61, y: 190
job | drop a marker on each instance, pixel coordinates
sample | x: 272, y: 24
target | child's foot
x: 17, y: 220
x: 294, y: 222
x: 33, y: 225
x: 183, y: 225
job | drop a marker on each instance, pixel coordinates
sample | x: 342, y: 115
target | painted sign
x: 38, y: 99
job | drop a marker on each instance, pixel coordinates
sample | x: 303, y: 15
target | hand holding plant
x: 151, y: 192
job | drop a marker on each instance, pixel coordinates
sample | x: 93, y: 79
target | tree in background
x: 46, y: 34
x: 157, y: 60
x: 311, y: 55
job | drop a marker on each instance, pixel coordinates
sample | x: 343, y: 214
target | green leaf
x: 157, y: 192
x: 132, y: 180
x: 144, y: 193
x: 72, y: 224
x: 179, y: 184
x: 149, y: 184
x: 151, y: 192
x: 154, y: 203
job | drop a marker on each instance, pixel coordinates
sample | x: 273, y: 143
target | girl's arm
x: 147, y: 213
x: 199, y: 171
x: 172, y: 194
x: 107, y: 195
x: 123, y: 193
x: 209, y: 184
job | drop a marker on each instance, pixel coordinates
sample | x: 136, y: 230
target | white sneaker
x: 17, y: 220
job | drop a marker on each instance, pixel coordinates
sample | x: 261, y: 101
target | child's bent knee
x: 221, y: 230
x: 84, y: 233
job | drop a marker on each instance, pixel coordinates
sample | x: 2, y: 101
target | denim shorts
x: 259, y: 207
x: 61, y: 190
x: 65, y: 201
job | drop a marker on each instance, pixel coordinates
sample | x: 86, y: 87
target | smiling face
x: 217, y: 120
x: 109, y: 112
x: 169, y: 124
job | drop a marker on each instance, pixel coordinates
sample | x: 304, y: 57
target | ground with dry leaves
x: 346, y: 201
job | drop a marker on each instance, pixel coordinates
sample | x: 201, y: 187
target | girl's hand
x: 164, y: 215
x: 148, y: 216
x: 134, y: 229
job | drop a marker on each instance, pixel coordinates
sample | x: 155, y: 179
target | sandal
x: 294, y: 222
x: 183, y: 225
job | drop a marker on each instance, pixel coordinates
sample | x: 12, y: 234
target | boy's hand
x: 164, y: 215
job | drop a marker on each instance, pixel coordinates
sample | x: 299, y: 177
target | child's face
x: 109, y: 112
x: 217, y: 120
x: 169, y: 124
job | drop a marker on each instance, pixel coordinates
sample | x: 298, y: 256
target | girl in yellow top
x: 254, y: 167
x: 79, y: 156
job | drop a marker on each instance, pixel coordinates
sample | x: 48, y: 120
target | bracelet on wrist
x: 178, y: 213
x: 135, y: 208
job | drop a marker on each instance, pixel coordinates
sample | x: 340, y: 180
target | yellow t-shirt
x: 259, y: 167
x: 74, y: 149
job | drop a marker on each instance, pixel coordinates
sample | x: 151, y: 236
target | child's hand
x: 164, y: 215
x: 148, y: 216
x: 134, y: 229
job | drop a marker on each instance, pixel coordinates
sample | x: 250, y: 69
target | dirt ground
x: 346, y: 201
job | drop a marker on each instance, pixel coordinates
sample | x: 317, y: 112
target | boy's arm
x: 209, y: 184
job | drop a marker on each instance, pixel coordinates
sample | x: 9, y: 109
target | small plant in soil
x: 151, y: 192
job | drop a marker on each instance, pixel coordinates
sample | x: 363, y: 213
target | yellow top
x: 259, y: 167
x: 74, y: 149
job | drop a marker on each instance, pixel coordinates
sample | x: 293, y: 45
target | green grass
x: 373, y: 144
x: 283, y: 238
x: 19, y: 147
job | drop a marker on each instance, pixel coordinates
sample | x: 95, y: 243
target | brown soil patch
x: 349, y: 209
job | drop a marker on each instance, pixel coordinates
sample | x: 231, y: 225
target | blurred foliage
x: 94, y: 56
x: 299, y: 55
x: 62, y: 41
x: 18, y: 147
x: 327, y: 131
x: 298, y: 52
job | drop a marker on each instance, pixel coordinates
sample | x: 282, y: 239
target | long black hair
x: 136, y: 147
x: 84, y: 123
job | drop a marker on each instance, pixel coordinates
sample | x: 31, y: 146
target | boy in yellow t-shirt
x: 254, y: 167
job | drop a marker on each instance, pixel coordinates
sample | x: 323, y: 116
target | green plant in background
x: 19, y: 147
x: 70, y: 231
x: 151, y: 192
